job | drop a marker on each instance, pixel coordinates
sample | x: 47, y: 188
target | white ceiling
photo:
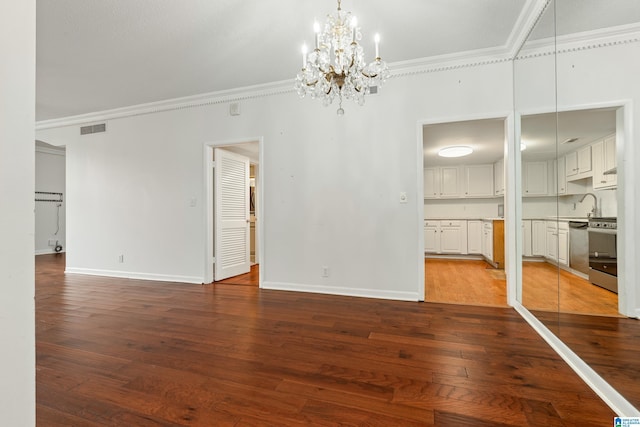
x: 539, y: 133
x: 94, y: 55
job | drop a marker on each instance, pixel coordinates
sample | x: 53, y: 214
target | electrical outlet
x: 325, y: 271
x: 121, y: 258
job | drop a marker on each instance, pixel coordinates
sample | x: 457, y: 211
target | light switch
x: 193, y: 202
x: 403, y: 197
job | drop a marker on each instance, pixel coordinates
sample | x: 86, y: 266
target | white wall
x: 17, y: 119
x: 462, y: 208
x: 331, y: 184
x: 50, y: 167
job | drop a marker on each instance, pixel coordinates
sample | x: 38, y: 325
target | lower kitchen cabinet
x: 526, y: 238
x: 474, y: 237
x: 557, y: 243
x: 493, y: 242
x: 445, y: 236
x: 432, y: 236
x: 538, y: 238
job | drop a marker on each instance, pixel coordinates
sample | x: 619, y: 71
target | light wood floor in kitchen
x: 475, y: 282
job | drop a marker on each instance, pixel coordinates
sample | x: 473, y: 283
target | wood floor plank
x: 129, y: 352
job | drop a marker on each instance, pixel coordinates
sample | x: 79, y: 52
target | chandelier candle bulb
x: 376, y: 39
x: 304, y: 56
x: 354, y: 25
x: 316, y: 29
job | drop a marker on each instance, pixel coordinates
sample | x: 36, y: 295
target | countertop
x: 539, y: 218
x: 560, y: 218
x: 448, y: 218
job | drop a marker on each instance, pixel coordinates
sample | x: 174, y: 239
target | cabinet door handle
x: 603, y: 182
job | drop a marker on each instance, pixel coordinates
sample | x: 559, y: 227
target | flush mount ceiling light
x: 457, y: 151
x: 336, y: 68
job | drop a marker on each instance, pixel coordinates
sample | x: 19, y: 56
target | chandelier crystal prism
x: 336, y: 67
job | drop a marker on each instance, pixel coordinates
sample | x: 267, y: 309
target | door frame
x: 207, y: 161
x: 511, y: 229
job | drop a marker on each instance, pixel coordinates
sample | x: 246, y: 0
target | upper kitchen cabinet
x: 534, y: 179
x: 478, y: 181
x: 578, y: 164
x: 604, y: 163
x: 442, y: 182
x: 452, y: 182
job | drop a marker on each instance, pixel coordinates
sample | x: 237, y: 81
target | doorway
x: 464, y: 197
x: 253, y: 271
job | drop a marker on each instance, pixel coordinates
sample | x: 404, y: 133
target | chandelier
x: 336, y: 67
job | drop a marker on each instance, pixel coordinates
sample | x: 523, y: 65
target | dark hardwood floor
x: 137, y: 353
x: 608, y: 344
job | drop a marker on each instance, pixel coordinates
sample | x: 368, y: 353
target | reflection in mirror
x: 560, y: 217
x: 592, y: 48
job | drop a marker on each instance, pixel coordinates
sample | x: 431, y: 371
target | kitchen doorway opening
x: 233, y: 187
x: 464, y: 199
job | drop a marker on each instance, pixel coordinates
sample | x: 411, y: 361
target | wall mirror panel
x: 535, y: 103
x: 578, y: 127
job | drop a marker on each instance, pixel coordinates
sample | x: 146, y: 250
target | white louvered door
x: 231, y: 214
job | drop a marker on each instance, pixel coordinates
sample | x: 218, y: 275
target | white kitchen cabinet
x: 453, y: 237
x: 478, y: 181
x: 487, y: 239
x: 431, y: 183
x: 526, y: 238
x: 442, y: 182
x: 538, y: 237
x: 498, y: 177
x: 571, y: 161
x: 604, y: 159
x: 534, y: 179
x: 578, y: 164
x: 559, y: 174
x: 474, y: 237
x: 563, y: 243
x: 552, y: 240
x: 432, y: 237
x: 450, y: 181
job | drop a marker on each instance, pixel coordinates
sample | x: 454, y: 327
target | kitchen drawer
x: 450, y: 223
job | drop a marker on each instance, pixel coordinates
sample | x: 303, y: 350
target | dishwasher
x: 579, y: 246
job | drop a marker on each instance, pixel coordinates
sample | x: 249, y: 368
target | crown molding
x: 526, y: 22
x: 607, y: 37
x: 575, y: 42
x: 210, y: 98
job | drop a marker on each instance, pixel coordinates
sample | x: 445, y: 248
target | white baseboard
x: 334, y: 290
x: 620, y: 406
x: 47, y: 251
x: 135, y: 275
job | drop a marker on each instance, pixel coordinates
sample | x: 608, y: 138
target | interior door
x: 231, y: 214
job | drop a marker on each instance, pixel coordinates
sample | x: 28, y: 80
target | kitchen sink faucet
x: 594, y: 211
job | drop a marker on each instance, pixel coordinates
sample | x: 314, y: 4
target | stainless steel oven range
x: 603, y: 258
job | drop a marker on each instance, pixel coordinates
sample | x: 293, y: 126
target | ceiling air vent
x: 86, y: 130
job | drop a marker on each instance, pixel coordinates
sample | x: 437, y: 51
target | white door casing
x: 231, y: 214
